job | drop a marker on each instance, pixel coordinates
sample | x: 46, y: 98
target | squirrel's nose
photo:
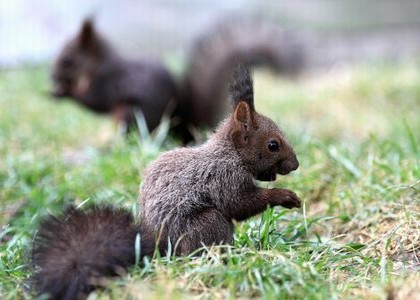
x: 288, y: 165
x: 294, y: 164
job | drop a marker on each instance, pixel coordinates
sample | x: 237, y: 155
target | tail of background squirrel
x: 75, y: 253
x: 215, y: 54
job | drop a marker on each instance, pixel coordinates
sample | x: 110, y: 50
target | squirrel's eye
x: 273, y: 146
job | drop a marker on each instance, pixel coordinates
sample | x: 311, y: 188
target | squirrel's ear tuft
x: 243, y: 115
x: 87, y: 35
x: 241, y: 86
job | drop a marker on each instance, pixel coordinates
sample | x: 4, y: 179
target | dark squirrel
x: 189, y: 198
x: 91, y: 73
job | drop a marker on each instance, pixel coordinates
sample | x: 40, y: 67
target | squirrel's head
x: 74, y: 67
x: 261, y: 145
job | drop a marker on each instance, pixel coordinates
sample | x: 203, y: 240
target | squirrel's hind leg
x: 207, y: 228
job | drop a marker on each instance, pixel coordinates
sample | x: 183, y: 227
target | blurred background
x: 331, y: 31
x: 352, y: 117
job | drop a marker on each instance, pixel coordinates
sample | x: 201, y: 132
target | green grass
x: 356, y: 133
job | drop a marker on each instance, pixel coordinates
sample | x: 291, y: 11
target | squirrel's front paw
x: 291, y: 200
x: 287, y: 199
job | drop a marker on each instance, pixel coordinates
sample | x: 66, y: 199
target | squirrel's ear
x: 87, y: 35
x: 243, y: 115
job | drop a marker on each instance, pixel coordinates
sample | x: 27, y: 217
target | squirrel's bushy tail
x: 215, y: 54
x: 74, y: 253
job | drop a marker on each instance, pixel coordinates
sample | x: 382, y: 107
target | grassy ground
x: 356, y: 133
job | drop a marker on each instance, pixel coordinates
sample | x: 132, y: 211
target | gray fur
x: 190, y: 196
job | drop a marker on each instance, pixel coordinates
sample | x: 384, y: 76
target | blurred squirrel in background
x: 91, y: 73
x: 189, y: 198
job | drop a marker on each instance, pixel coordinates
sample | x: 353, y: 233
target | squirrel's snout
x: 288, y: 165
x: 295, y: 164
